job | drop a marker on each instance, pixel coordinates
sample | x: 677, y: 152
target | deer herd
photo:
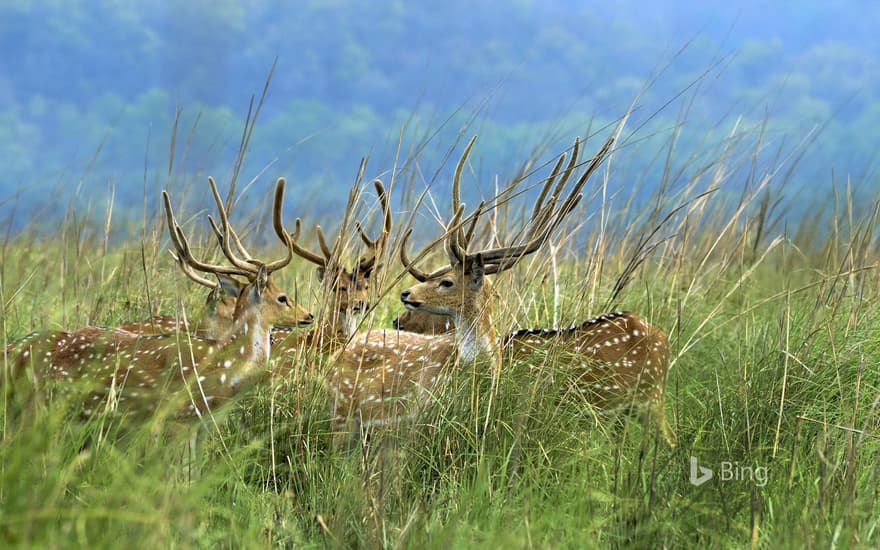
x: 172, y: 367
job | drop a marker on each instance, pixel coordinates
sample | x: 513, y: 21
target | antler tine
x: 191, y: 273
x: 246, y: 264
x: 241, y: 250
x: 542, y: 213
x: 560, y: 185
x: 539, y: 210
x: 277, y: 206
x: 301, y: 251
x: 278, y: 224
x: 178, y: 238
x: 328, y: 252
x: 548, y: 219
x: 475, y: 217
x: 363, y: 235
x: 420, y: 275
x: 172, y: 223
x: 456, y: 244
x: 216, y: 230
x: 516, y: 253
x: 377, y: 245
x: 594, y: 164
x: 380, y: 241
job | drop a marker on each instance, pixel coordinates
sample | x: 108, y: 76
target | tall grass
x: 776, y: 345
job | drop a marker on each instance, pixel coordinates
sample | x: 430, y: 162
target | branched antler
x: 548, y: 213
x: 376, y: 247
x: 243, y: 264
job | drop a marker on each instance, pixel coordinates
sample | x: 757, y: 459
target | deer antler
x: 539, y: 226
x: 245, y: 265
x: 326, y: 255
x: 548, y: 218
x: 303, y: 252
x: 547, y: 215
x: 228, y: 237
x: 191, y: 273
x: 376, y: 247
x: 410, y: 264
x: 184, y: 254
x: 456, y: 245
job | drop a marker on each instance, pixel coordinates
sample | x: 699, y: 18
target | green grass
x: 776, y: 347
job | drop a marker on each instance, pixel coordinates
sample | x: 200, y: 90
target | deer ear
x: 320, y: 272
x: 261, y: 281
x: 476, y: 271
x: 229, y: 286
x: 370, y: 269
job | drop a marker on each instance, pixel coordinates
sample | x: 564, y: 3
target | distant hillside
x: 88, y: 91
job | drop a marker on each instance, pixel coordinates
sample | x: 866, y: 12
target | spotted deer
x: 617, y: 360
x: 626, y: 358
x: 178, y: 373
x: 381, y: 376
x: 216, y: 316
x: 220, y: 301
x: 347, y: 291
x: 622, y: 359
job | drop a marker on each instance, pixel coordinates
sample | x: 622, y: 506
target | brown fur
x: 618, y: 360
x: 381, y: 376
x: 177, y: 373
x: 423, y: 323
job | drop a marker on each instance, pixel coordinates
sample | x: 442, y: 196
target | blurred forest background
x: 89, y: 90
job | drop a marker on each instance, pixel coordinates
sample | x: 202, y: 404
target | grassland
x: 775, y: 332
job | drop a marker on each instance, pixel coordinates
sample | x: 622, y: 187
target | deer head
x: 226, y: 293
x: 348, y: 289
x: 459, y: 289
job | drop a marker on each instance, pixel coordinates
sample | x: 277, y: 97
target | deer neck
x: 348, y: 323
x: 249, y: 337
x: 475, y: 334
x: 342, y: 323
x: 216, y: 317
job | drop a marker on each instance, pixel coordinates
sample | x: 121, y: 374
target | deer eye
x: 446, y: 283
x: 343, y: 289
x: 283, y: 299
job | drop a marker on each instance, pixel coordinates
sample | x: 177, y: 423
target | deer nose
x: 309, y: 318
x: 404, y: 295
x: 359, y: 306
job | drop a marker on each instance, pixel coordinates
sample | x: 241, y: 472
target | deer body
x: 184, y: 374
x: 380, y: 375
x: 617, y: 361
x: 423, y: 323
x: 139, y: 374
